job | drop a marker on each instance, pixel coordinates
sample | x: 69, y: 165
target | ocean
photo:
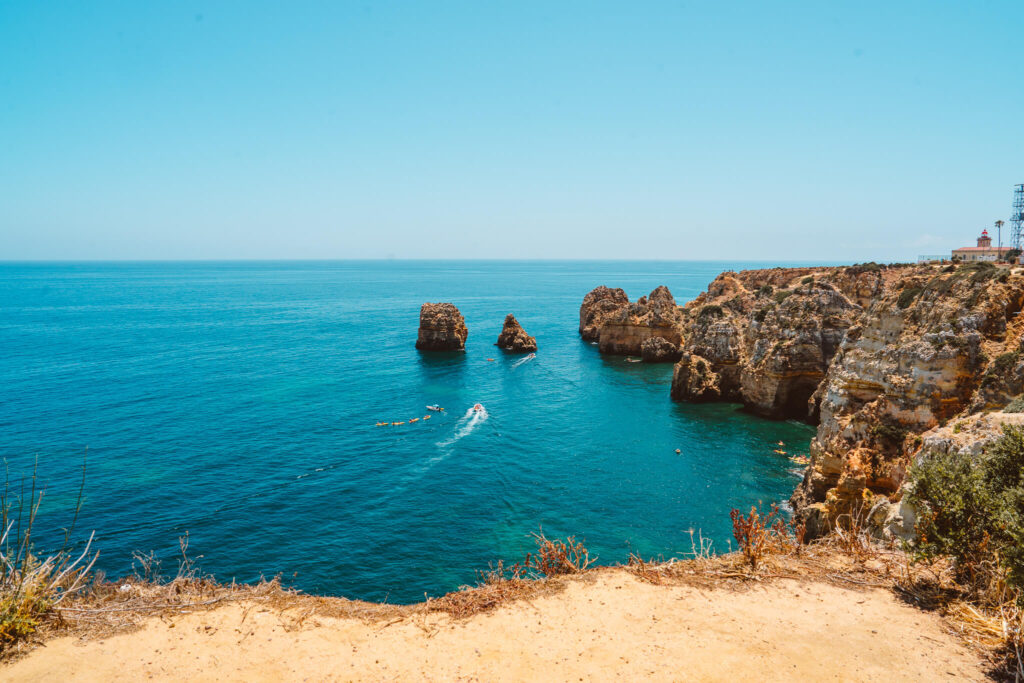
x: 237, y: 402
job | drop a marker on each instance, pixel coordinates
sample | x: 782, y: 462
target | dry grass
x: 32, y: 588
x: 847, y: 558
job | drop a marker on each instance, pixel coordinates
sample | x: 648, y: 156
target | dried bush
x: 758, y: 536
x: 32, y: 587
x: 555, y: 557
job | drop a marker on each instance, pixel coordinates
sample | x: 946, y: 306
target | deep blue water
x: 238, y: 401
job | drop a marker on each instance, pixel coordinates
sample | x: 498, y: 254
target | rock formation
x: 621, y: 327
x: 659, y: 350
x: 965, y: 437
x: 514, y: 338
x: 767, y: 338
x: 876, y: 355
x: 442, y: 328
x: 598, y: 304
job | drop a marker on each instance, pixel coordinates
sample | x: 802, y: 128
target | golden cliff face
x: 937, y: 342
x: 764, y: 338
x: 875, y: 355
x: 622, y: 328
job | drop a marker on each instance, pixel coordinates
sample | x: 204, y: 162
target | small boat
x: 780, y: 444
x: 477, y: 408
x: 395, y: 424
x: 426, y: 417
x: 415, y: 419
x: 490, y: 360
x: 780, y: 452
x: 436, y: 408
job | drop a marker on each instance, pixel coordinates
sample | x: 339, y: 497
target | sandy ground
x: 608, y: 625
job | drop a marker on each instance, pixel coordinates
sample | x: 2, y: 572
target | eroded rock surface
x: 937, y: 344
x: 876, y: 355
x: 514, y: 338
x: 621, y: 327
x: 767, y: 338
x: 659, y: 350
x: 599, y: 303
x: 442, y: 328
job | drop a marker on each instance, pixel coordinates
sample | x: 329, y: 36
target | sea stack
x: 442, y: 328
x: 597, y: 305
x: 514, y: 338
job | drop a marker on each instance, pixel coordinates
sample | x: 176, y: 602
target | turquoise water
x: 238, y: 402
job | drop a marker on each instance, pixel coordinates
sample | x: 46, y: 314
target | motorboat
x: 477, y: 408
x: 435, y: 408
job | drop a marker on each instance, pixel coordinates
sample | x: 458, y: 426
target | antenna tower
x: 1017, y: 217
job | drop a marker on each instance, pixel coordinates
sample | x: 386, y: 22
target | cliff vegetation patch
x: 973, y: 512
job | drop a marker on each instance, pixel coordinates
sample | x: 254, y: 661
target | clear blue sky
x: 768, y: 130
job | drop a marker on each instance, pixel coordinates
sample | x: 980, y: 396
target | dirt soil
x: 605, y: 625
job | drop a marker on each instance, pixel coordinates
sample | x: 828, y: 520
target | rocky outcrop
x: 442, y: 328
x: 766, y: 337
x: 598, y: 304
x: 514, y: 338
x: 937, y: 344
x: 621, y: 327
x: 659, y: 350
x: 693, y: 380
x: 967, y: 437
x: 877, y: 356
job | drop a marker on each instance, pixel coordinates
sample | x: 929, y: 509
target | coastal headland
x: 878, y: 356
x: 892, y: 363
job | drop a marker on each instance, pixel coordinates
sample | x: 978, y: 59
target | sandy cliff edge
x: 604, y: 624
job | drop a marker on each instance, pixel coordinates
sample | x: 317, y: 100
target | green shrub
x: 765, y: 290
x: 1002, y: 365
x: 907, y: 296
x: 889, y: 431
x: 1015, y: 406
x: 782, y: 295
x: 974, y: 511
x: 710, y: 311
x: 870, y: 267
x: 807, y: 280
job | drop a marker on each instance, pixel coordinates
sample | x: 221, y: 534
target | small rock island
x: 442, y: 328
x: 514, y: 338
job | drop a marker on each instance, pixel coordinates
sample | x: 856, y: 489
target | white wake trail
x: 465, y: 426
x: 523, y: 360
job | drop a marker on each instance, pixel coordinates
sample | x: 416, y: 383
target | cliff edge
x: 875, y: 355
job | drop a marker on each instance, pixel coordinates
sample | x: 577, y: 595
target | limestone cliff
x: 936, y: 343
x: 621, y: 327
x: 514, y: 338
x: 875, y: 355
x: 597, y: 305
x: 764, y: 338
x: 442, y: 328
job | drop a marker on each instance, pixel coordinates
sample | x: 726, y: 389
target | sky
x: 829, y: 131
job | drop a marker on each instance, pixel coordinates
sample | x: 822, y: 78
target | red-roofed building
x: 983, y: 252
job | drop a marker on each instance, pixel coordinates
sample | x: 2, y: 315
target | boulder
x: 659, y: 350
x: 442, y: 328
x: 514, y: 338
